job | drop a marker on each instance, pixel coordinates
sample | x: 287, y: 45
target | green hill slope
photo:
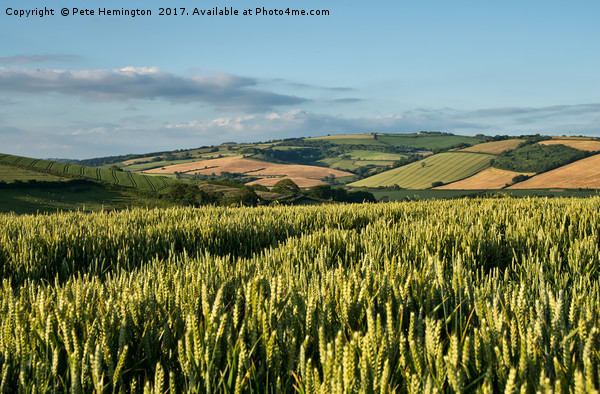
x: 118, y: 178
x: 443, y: 167
x: 12, y: 174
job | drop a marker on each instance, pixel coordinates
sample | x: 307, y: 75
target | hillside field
x: 592, y: 146
x: 467, y: 295
x: 583, y: 173
x: 10, y: 174
x: 444, y: 167
x: 488, y: 179
x: 240, y: 165
x: 70, y: 196
x: 70, y: 170
x: 302, y: 183
x: 494, y: 147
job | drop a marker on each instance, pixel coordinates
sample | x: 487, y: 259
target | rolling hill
x: 30, y: 185
x: 444, y: 167
x: 587, y: 145
x: 462, y: 164
x: 488, y: 179
x: 426, y: 141
x: 70, y: 170
x: 494, y: 147
x: 584, y: 173
x: 304, y: 175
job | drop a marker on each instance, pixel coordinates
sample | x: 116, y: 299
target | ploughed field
x: 472, y: 294
x: 307, y: 175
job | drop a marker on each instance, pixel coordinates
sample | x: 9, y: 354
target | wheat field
x: 476, y: 295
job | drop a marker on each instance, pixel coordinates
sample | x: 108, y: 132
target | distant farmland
x: 444, y: 167
x: 119, y: 178
x: 250, y: 167
x: 488, y: 179
x: 583, y: 173
x: 426, y: 141
x: 591, y: 146
x: 10, y: 174
x: 494, y: 147
x: 301, y: 182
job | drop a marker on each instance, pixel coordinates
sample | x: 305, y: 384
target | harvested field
x: 138, y: 160
x: 494, y: 147
x: 240, y: 165
x: 583, y: 173
x: 301, y: 182
x: 488, y: 179
x: 587, y: 145
x: 558, y: 137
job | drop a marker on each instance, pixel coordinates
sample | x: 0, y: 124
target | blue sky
x: 88, y: 86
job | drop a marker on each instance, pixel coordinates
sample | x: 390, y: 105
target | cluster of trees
x: 323, y: 192
x: 328, y: 193
x: 532, y: 157
x: 191, y: 195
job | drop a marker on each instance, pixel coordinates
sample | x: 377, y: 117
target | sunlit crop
x: 466, y: 295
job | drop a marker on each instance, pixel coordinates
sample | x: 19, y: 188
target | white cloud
x: 222, y: 90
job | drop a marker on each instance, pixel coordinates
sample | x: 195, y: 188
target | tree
x: 244, y: 196
x: 286, y: 186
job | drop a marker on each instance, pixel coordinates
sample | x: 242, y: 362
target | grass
x: 156, y: 164
x: 340, y: 164
x: 10, y: 174
x: 88, y: 197
x: 444, y: 167
x: 361, y: 158
x: 118, y: 178
x: 374, y: 155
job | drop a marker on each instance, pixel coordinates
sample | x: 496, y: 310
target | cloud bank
x: 139, y: 134
x: 224, y: 91
x: 23, y: 59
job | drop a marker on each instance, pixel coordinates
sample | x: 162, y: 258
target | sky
x: 83, y: 86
